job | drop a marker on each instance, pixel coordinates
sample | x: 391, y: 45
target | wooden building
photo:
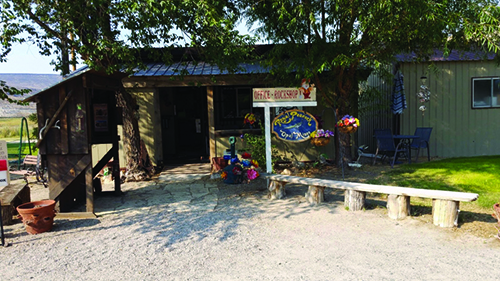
x: 73, y: 115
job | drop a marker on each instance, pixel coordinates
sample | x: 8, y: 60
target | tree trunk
x: 139, y: 166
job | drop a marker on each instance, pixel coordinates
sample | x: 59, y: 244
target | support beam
x: 211, y: 122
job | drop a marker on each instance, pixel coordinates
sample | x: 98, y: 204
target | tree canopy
x: 337, y: 43
x: 109, y: 34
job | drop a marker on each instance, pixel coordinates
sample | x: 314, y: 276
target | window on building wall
x: 485, y: 92
x: 231, y: 105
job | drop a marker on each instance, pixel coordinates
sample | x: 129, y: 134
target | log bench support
x: 398, y: 206
x: 445, y: 212
x: 445, y: 204
x: 277, y: 189
x: 315, y: 194
x: 354, y: 200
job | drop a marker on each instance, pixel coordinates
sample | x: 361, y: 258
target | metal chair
x: 424, y: 134
x: 386, y: 146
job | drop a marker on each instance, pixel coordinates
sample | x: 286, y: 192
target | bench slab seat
x: 445, y: 204
x: 12, y: 196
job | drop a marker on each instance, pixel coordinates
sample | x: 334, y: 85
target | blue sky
x: 26, y: 59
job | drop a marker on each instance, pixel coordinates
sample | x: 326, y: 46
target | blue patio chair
x: 424, y: 134
x: 386, y: 146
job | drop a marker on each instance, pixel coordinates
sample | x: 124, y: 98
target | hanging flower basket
x: 348, y: 129
x: 348, y: 124
x: 320, y: 141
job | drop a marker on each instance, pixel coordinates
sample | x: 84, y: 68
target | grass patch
x: 10, y: 128
x: 472, y: 174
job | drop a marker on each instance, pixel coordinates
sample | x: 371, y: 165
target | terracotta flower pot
x: 37, y: 216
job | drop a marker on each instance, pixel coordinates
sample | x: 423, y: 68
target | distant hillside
x: 34, y: 82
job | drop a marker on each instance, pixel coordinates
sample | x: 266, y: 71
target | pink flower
x: 252, y: 174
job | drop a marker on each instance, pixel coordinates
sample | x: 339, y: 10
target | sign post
x: 281, y: 97
x: 4, y: 164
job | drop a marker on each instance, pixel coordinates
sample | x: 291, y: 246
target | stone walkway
x: 169, y: 192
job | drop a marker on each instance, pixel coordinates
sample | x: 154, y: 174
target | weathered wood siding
x: 458, y: 129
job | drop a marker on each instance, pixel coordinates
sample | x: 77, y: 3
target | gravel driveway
x: 238, y: 234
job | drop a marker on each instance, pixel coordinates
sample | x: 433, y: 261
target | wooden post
x: 445, y: 212
x: 277, y: 190
x: 315, y: 194
x: 89, y: 189
x: 354, y: 200
x: 211, y: 122
x: 398, y: 206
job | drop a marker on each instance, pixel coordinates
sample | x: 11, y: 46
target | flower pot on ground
x: 37, y: 216
x: 240, y: 171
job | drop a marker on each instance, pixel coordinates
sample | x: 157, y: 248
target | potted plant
x: 242, y: 171
x: 321, y: 137
x: 348, y: 124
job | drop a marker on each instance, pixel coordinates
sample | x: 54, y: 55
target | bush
x: 256, y: 145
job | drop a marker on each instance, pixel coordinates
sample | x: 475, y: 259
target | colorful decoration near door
x: 294, y: 125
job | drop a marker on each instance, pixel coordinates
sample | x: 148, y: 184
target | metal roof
x: 454, y: 55
x: 195, y: 68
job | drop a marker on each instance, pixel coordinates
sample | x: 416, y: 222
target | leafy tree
x: 118, y: 35
x: 338, y: 43
x: 5, y: 91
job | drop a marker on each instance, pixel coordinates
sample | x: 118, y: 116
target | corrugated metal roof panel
x: 454, y: 55
x: 198, y: 68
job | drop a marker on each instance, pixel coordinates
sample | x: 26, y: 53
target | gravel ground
x: 244, y: 237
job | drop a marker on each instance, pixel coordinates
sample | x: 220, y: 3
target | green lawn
x: 10, y: 128
x: 479, y: 175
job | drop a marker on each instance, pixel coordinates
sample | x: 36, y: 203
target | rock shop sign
x: 294, y: 125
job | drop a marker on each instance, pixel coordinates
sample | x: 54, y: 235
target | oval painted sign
x: 294, y: 125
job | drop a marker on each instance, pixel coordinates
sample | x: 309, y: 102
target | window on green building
x: 485, y: 92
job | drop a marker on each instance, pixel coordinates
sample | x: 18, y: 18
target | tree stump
x: 445, y: 212
x: 398, y: 206
x: 354, y: 200
x: 277, y: 189
x: 315, y: 194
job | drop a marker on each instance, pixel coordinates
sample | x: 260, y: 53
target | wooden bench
x: 445, y: 204
x: 12, y: 196
x: 30, y: 164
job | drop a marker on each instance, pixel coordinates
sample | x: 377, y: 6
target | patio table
x: 405, y: 140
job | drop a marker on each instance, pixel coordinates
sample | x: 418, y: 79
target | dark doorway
x: 184, y: 124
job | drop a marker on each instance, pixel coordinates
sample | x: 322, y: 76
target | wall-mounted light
x: 423, y: 79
